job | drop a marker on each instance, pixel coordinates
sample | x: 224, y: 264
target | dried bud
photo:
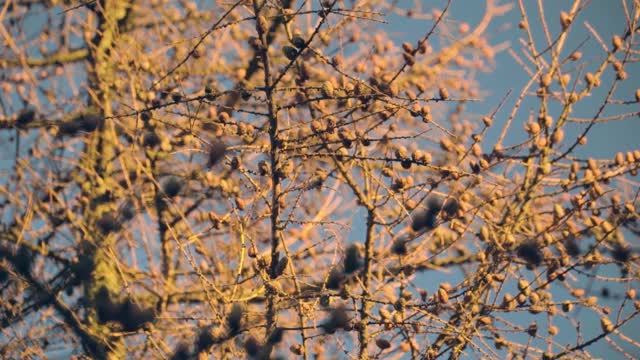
x: 418, y: 155
x: 317, y: 126
x: 508, y: 301
x: 392, y: 89
x: 408, y: 59
x: 423, y: 47
x: 296, y: 349
x: 485, y: 320
x: 617, y: 43
x: 534, y: 298
x: 401, y: 153
x: 573, y: 98
x: 406, y: 46
x: 298, y: 41
x: 444, y: 93
x: 565, y: 20
x: 327, y: 89
x: 545, y: 80
x: 446, y: 144
x: 290, y: 52
x: 630, y: 157
x: 176, y: 95
x: 606, y: 325
x: 443, y: 296
x: 337, y: 61
x: 523, y: 284
x: 383, y: 343
x: 240, y: 203
x: 577, y: 293
x: 532, y: 128
x: 557, y: 136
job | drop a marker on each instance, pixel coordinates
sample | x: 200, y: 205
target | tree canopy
x: 262, y: 179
